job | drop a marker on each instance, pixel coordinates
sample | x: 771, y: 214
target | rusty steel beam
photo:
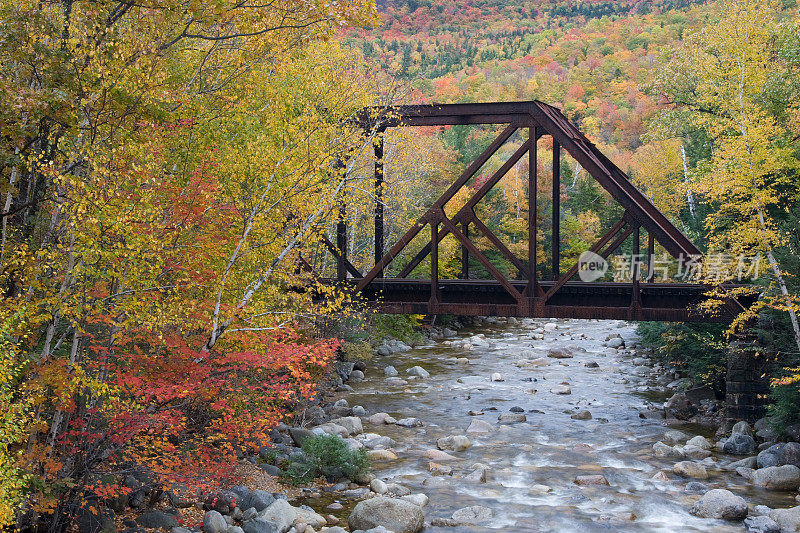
x: 479, y: 256
x: 466, y: 213
x: 339, y: 258
x: 438, y: 205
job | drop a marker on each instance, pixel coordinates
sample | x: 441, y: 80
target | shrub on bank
x: 698, y: 349
x: 328, y: 456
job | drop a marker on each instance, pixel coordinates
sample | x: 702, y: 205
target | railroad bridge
x: 563, y: 295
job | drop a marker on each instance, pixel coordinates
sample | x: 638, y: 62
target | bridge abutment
x: 746, y: 387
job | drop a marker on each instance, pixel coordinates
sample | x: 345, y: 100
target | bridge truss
x: 563, y: 296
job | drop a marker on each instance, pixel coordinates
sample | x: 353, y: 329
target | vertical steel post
x: 556, y: 246
x: 379, y: 202
x: 465, y: 252
x: 651, y: 274
x: 341, y: 242
x: 636, y: 297
x: 434, y: 265
x: 532, y: 193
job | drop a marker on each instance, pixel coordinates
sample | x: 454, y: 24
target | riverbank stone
x: 779, y: 454
x: 786, y: 477
x: 213, y: 522
x: 512, y: 418
x: 720, y: 504
x: 787, y: 519
x: 761, y: 524
x: 394, y: 514
x: 740, y: 444
x: 678, y: 406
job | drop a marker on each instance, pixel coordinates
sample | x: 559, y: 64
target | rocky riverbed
x: 533, y: 425
x: 552, y: 425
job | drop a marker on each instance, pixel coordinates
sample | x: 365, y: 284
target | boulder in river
x: 351, y: 423
x: 780, y: 454
x: 418, y: 371
x: 456, y: 443
x: 593, y: 479
x: 561, y: 390
x: 739, y: 444
x: 479, y: 427
x: 560, y: 353
x: 437, y: 455
x: 582, y: 415
x: 761, y: 524
x: 786, y: 477
x: 394, y: 514
x: 409, y: 422
x: 472, y: 515
x: 663, y: 450
x: 381, y: 418
x: 512, y: 418
x: 787, y: 519
x: 720, y: 504
x: 679, y: 406
x: 690, y: 469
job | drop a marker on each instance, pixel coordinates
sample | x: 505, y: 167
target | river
x: 550, y: 449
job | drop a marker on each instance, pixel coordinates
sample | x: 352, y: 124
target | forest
x: 168, y: 165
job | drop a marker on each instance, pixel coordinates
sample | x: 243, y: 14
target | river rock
x: 739, y: 444
x: 615, y: 342
x: 695, y: 487
x: 394, y: 514
x: 786, y: 477
x: 582, y: 415
x: 496, y: 377
x: 456, y: 443
x: 381, y: 418
x: 478, y: 475
x: 437, y: 455
x: 787, y: 519
x: 299, y: 435
x: 390, y: 371
x: 594, y: 479
x: 742, y: 428
x: 690, y: 469
x: 472, y: 515
x: 679, y: 406
x: 747, y: 462
x: 157, y: 519
x: 673, y: 436
x: 720, y: 504
x: 561, y: 389
x: 356, y: 376
x: 479, y: 427
x: 660, y: 476
x: 418, y: 371
x: 409, y: 422
x: 539, y: 489
x: 418, y: 499
x: 695, y: 452
x: 378, y: 486
x: 308, y: 517
x: 512, y: 418
x: 258, y: 499
x: 780, y: 454
x: 662, y: 450
x: 700, y: 442
x: 280, y: 513
x: 761, y: 524
x: 213, y: 522
x: 259, y: 525
x: 351, y: 423
x: 560, y: 353
x: 382, y: 455
x: 532, y: 363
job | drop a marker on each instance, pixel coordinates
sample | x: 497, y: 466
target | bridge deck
x: 673, y: 302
